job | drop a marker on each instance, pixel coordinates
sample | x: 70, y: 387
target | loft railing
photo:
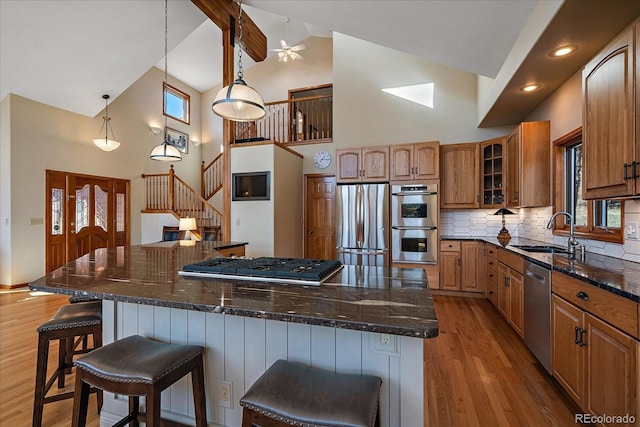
x: 211, y: 177
x: 294, y: 121
x: 169, y: 193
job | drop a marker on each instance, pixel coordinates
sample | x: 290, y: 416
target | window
x: 597, y: 220
x: 175, y: 103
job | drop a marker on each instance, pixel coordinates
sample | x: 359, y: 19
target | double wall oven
x: 414, y: 219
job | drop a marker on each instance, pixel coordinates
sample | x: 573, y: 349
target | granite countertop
x: 615, y: 275
x: 376, y: 299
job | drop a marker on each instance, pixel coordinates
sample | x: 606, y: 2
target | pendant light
x: 106, y: 144
x: 166, y: 151
x: 238, y: 101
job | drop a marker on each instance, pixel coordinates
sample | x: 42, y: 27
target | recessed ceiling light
x: 530, y: 88
x: 563, y: 50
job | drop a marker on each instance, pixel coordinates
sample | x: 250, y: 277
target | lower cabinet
x: 491, y: 274
x: 511, y: 296
x: 460, y: 266
x: 231, y: 252
x: 594, y: 362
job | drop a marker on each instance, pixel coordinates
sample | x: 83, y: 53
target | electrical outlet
x: 631, y: 230
x: 385, y: 339
x: 225, y: 389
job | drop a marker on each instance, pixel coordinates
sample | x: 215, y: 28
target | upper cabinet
x: 367, y: 164
x: 459, y: 184
x: 611, y: 154
x: 528, y: 165
x: 414, y: 161
x: 491, y: 177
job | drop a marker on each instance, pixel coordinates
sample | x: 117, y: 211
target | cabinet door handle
x: 583, y: 296
x: 625, y: 166
x: 577, y: 335
x: 582, y: 343
x: 633, y: 167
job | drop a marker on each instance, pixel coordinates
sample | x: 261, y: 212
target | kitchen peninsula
x: 362, y: 320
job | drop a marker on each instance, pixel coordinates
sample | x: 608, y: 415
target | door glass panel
x: 82, y: 207
x: 57, y: 211
x: 119, y: 212
x: 101, y: 208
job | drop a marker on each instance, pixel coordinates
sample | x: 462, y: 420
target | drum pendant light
x: 238, y: 101
x: 166, y: 151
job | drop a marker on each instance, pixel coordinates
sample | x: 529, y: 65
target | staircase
x: 167, y: 193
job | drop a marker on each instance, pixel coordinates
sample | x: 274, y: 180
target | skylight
x: 420, y: 94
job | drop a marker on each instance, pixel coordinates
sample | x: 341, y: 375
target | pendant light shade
x: 166, y: 152
x: 106, y: 143
x: 239, y: 102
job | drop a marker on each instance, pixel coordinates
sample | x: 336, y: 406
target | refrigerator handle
x: 359, y: 214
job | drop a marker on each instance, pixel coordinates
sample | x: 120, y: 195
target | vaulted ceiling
x: 68, y: 53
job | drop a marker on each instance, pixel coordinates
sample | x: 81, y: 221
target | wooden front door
x: 320, y: 217
x: 84, y: 213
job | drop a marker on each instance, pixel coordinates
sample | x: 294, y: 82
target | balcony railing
x: 294, y: 121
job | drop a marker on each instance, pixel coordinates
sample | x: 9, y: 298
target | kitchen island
x: 361, y: 320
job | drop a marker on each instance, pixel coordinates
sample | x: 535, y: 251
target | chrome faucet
x: 572, y: 243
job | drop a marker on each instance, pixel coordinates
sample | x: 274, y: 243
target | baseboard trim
x: 457, y: 293
x: 8, y: 287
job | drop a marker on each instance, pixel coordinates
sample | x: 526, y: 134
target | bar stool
x: 70, y: 326
x: 137, y: 366
x: 288, y: 394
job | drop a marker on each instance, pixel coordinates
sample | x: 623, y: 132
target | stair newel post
x: 172, y: 183
x: 203, y: 187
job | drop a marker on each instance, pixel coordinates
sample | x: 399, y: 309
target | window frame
x: 560, y: 227
x: 186, y: 102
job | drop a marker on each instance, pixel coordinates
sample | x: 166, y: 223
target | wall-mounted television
x: 251, y: 186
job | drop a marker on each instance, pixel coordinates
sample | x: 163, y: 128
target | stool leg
x: 199, y: 400
x: 246, y: 417
x: 80, y: 401
x: 134, y: 410
x: 41, y: 379
x: 65, y: 352
x: 97, y: 343
x: 153, y: 406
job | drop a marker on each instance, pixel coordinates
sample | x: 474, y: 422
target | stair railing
x: 211, y: 177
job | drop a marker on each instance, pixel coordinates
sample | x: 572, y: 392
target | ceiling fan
x: 287, y: 52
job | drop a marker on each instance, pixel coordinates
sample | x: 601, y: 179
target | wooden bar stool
x: 70, y: 326
x: 137, y: 366
x: 288, y: 394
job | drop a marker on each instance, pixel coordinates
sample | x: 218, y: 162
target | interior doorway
x: 320, y: 216
x: 83, y: 213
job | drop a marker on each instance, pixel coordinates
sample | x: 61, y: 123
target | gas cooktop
x: 288, y: 270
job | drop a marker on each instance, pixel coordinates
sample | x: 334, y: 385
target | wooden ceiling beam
x: 220, y: 11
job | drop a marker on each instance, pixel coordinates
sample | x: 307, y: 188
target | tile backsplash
x: 531, y: 223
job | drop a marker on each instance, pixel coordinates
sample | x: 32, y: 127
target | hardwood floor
x: 20, y: 314
x: 478, y: 371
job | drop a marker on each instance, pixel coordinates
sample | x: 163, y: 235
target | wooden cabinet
x: 491, y: 273
x: 511, y: 289
x: 231, y: 252
x: 611, y: 153
x: 593, y: 361
x: 528, y: 165
x: 491, y: 173
x: 459, y: 183
x: 460, y: 266
x: 366, y: 164
x: 414, y: 161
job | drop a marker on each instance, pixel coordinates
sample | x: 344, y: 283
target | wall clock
x: 322, y: 159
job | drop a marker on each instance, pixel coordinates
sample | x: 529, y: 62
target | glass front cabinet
x: 492, y: 166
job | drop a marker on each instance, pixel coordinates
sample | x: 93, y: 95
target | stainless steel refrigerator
x: 362, y: 224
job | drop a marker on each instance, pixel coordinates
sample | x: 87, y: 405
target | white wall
x: 5, y: 190
x: 44, y: 137
x: 287, y: 205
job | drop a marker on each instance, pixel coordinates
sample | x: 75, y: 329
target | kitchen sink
x: 545, y: 249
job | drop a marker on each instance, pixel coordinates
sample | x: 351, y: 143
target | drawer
x: 614, y: 309
x: 512, y: 260
x: 235, y: 251
x: 491, y: 251
x: 492, y: 293
x: 450, y: 245
x: 491, y: 264
x: 491, y: 276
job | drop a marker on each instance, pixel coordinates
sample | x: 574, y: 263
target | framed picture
x: 179, y: 139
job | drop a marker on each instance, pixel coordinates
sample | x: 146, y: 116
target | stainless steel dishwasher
x: 537, y: 312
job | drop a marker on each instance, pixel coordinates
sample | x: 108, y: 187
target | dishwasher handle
x: 538, y: 277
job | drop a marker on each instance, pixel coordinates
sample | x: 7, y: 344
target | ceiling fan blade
x: 298, y: 48
x: 295, y: 56
x: 284, y: 44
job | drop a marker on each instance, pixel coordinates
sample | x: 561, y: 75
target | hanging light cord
x: 166, y: 31
x: 106, y: 121
x: 240, y: 41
